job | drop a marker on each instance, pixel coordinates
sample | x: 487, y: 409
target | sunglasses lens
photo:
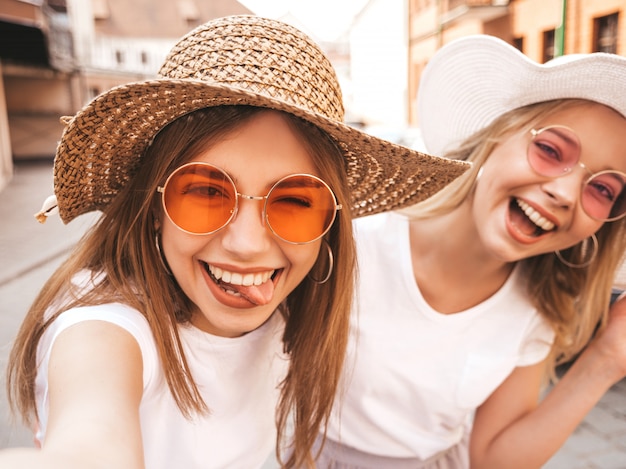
x: 553, y: 151
x: 199, y: 198
x: 300, y: 209
x: 604, y: 195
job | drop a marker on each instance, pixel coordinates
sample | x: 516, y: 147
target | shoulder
x: 93, y: 334
x: 113, y: 320
x: 376, y: 221
x: 381, y: 225
x: 118, y: 314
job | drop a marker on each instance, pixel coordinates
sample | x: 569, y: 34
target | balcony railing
x: 481, y: 9
x: 452, y: 4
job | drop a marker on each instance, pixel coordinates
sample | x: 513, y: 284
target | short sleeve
x: 539, y: 340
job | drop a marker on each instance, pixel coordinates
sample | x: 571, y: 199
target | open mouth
x: 528, y: 220
x: 257, y: 287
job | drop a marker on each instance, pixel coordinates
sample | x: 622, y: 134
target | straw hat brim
x: 103, y: 143
x: 471, y: 81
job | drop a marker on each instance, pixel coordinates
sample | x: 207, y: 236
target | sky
x: 326, y: 19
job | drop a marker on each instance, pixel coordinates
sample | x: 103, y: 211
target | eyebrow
x: 620, y: 177
x: 204, y: 171
x: 308, y: 182
x: 561, y: 135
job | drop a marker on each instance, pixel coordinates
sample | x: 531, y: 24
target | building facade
x: 56, y: 55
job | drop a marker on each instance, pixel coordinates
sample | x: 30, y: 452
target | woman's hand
x: 610, y: 344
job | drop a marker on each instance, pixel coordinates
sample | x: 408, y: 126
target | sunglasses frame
x: 239, y: 195
x: 536, y: 132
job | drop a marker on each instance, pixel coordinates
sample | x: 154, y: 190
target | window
x: 548, y: 45
x: 59, y: 6
x: 93, y: 92
x: 188, y: 10
x: 605, y: 34
x: 518, y: 43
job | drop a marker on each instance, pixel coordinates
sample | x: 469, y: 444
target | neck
x: 448, y: 255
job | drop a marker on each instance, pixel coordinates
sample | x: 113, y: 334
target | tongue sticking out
x: 257, y: 294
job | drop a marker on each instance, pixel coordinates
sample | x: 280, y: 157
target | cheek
x: 492, y: 187
x: 582, y: 228
x: 508, y: 160
x: 178, y: 247
x: 492, y: 196
x: 302, y: 258
x: 505, y: 171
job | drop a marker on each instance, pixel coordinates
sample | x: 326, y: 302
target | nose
x: 565, y: 190
x: 247, y: 234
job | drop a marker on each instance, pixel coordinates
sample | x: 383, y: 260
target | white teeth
x: 216, y: 271
x: 225, y: 276
x: 235, y: 278
x: 535, y: 217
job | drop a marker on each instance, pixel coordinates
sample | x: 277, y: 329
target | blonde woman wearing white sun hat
x: 466, y: 302
x: 211, y: 299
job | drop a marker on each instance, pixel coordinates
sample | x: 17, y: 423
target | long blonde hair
x: 121, y: 245
x: 574, y: 301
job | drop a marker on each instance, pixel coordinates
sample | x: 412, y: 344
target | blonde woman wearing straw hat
x: 466, y: 301
x: 212, y: 297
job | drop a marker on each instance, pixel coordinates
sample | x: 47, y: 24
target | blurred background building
x: 56, y: 55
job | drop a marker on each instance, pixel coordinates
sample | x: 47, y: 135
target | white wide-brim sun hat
x: 473, y: 80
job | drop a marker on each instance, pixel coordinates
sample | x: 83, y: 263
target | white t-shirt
x: 237, y: 377
x: 413, y: 376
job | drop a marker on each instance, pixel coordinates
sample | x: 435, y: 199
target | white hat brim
x: 473, y: 80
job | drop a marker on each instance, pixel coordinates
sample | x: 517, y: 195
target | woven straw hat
x: 473, y: 80
x: 237, y: 60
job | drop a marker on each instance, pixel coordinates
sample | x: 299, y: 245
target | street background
x: 30, y: 252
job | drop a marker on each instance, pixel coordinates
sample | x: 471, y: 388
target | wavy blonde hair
x: 121, y: 245
x: 574, y: 301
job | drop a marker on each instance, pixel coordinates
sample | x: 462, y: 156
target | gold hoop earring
x: 331, y: 264
x: 586, y: 250
x: 157, y: 243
